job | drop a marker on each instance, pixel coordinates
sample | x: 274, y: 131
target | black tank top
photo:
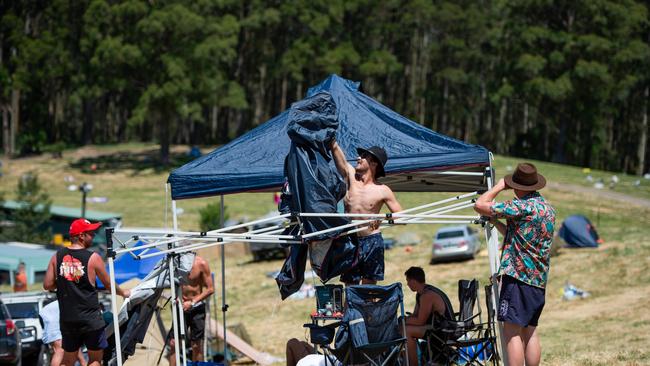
x: 79, y: 309
x: 449, y: 313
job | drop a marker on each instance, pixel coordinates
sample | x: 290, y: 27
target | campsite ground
x: 612, y: 327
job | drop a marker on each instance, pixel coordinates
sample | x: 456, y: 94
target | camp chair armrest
x: 470, y: 318
x: 331, y: 325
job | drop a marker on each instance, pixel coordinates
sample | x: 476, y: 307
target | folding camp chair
x: 466, y: 339
x: 369, y: 332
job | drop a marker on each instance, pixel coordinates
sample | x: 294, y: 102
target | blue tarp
x: 127, y: 267
x: 255, y: 160
x: 578, y: 232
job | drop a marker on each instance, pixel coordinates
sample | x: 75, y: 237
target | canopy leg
x: 492, y: 238
x: 224, y: 306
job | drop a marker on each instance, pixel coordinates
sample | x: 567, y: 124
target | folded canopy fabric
x: 255, y: 160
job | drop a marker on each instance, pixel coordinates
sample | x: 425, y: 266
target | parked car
x: 24, y: 308
x: 10, y: 344
x: 455, y: 242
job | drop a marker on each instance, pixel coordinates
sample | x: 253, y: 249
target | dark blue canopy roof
x: 255, y: 160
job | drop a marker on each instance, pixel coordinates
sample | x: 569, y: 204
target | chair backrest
x: 490, y: 309
x: 378, y: 305
x: 467, y: 296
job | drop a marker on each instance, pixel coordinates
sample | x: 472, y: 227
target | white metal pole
x: 166, y: 223
x: 111, y: 274
x: 250, y: 223
x: 492, y: 238
x: 174, y: 216
x: 224, y: 306
x: 175, y: 316
x: 183, y: 336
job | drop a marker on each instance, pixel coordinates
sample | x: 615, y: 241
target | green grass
x: 578, y: 176
x: 612, y: 327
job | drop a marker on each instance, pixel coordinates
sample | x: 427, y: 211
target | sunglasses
x: 367, y: 156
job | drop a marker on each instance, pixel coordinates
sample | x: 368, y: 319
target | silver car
x: 455, y: 242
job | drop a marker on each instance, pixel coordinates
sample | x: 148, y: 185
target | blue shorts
x: 370, y: 264
x: 519, y: 302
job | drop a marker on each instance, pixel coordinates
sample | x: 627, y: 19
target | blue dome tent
x: 578, y: 232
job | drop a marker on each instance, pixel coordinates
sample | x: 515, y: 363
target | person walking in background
x: 525, y: 259
x: 72, y: 272
x: 49, y: 315
x: 20, y: 279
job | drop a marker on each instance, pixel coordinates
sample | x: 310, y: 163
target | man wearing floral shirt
x: 528, y: 234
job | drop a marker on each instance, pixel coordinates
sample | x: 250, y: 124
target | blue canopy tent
x: 127, y: 267
x: 416, y: 154
x: 419, y: 159
x: 578, y: 232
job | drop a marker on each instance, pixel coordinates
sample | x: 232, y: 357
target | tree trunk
x: 525, y: 123
x: 283, y: 96
x: 87, y: 130
x: 258, y: 97
x: 164, y: 137
x: 500, y: 132
x: 412, y: 74
x: 6, y: 131
x: 299, y: 90
x: 215, y: 122
x: 445, y: 95
x: 15, y: 120
x: 643, y: 136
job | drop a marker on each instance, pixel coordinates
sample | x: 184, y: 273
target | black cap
x: 380, y: 155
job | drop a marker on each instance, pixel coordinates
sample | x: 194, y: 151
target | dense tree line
x: 566, y: 81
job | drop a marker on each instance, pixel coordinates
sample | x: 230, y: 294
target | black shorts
x: 371, y: 260
x: 195, y: 322
x: 519, y: 302
x: 94, y: 340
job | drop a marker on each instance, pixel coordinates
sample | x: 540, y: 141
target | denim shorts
x: 371, y: 260
x: 519, y: 302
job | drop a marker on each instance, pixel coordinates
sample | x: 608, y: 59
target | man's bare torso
x: 365, y: 198
x: 196, y: 280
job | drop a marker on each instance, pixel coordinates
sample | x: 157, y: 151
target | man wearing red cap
x: 525, y: 258
x: 72, y: 272
x: 366, y: 195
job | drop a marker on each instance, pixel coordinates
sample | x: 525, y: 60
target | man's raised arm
x: 100, y: 271
x: 342, y: 165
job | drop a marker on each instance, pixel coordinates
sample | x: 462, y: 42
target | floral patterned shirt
x: 530, y: 222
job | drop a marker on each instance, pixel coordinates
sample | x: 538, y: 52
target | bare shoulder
x: 201, y: 263
x: 96, y: 258
x: 386, y: 191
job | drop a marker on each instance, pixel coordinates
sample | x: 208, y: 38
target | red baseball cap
x: 80, y: 226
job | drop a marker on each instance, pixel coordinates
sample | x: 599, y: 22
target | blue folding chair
x: 370, y: 330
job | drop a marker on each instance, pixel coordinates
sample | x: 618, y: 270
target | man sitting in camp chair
x: 366, y: 195
x: 430, y: 302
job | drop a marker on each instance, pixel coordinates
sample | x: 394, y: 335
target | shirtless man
x: 430, y: 308
x: 200, y: 287
x: 366, y: 195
